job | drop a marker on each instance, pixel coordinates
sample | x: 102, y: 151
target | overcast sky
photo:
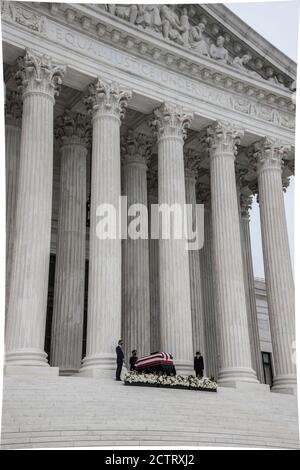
x: 277, y: 22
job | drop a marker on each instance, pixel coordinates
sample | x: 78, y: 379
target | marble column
x: 194, y: 259
x: 208, y: 292
x: 277, y: 262
x: 153, y: 260
x: 68, y: 305
x: 25, y: 328
x: 108, y: 104
x: 246, y: 203
x: 170, y: 124
x: 235, y: 353
x: 135, y: 251
x: 13, y: 119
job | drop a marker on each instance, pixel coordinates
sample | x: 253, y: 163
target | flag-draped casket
x: 156, y: 362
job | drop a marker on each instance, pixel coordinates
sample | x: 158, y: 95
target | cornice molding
x: 98, y: 23
x: 252, y: 37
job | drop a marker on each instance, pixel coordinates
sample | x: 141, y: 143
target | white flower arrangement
x: 172, y: 381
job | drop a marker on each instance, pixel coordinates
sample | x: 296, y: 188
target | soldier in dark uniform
x: 198, y: 365
x: 133, y: 360
x: 120, y: 359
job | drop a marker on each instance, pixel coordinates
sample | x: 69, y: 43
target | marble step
x: 71, y: 411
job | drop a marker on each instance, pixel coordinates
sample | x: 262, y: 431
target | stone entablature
x: 190, y: 26
x: 163, y: 62
x: 186, y: 26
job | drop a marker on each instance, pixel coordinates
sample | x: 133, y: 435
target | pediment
x: 211, y: 31
x: 149, y: 43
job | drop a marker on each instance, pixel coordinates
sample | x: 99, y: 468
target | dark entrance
x: 50, y: 307
x: 267, y: 365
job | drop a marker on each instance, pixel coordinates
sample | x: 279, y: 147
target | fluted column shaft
x: 154, y: 284
x: 104, y: 290
x: 208, y: 295
x: 277, y: 262
x: 235, y: 353
x: 25, y: 328
x: 195, y: 272
x: 250, y: 296
x: 174, y: 291
x: 135, y: 256
x: 13, y: 115
x: 68, y: 305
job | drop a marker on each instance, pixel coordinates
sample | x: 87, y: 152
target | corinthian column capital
x: 136, y: 148
x: 73, y: 128
x: 13, y: 108
x: 223, y: 138
x: 170, y: 121
x: 37, y: 74
x: 107, y: 98
x: 269, y: 154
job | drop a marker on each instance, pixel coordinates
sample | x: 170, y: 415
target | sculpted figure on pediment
x: 185, y: 26
x: 218, y: 51
x: 149, y: 16
x: 241, y: 63
x: 197, y: 42
x: 271, y: 77
x: 172, y: 22
x: 128, y: 13
x: 173, y: 28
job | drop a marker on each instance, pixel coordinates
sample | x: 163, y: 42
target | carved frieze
x: 174, y: 23
x: 16, y: 13
x: 201, y: 83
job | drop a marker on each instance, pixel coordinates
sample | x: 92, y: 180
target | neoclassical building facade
x: 165, y: 105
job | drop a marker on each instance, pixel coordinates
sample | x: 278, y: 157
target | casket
x: 155, y: 363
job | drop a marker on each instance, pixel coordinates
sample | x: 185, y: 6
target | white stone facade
x: 161, y: 104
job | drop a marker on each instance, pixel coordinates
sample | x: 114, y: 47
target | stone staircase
x: 76, y: 411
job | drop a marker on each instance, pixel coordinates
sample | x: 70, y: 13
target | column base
x: 286, y: 384
x: 28, y: 362
x: 26, y: 357
x: 97, y: 366
x: 234, y: 376
x: 184, y: 368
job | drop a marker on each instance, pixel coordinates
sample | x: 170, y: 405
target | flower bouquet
x: 170, y: 381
